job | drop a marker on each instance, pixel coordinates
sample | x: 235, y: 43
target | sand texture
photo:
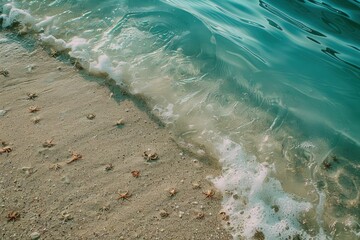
x: 64, y: 160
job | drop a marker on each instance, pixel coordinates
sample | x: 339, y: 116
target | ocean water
x: 269, y: 88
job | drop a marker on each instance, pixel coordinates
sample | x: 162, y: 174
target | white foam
x: 44, y: 23
x: 80, y: 48
x: 57, y: 44
x: 11, y: 14
x: 101, y: 66
x: 254, y: 201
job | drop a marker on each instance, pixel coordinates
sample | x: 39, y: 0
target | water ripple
x: 289, y: 19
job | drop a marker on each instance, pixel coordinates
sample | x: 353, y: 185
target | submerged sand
x: 55, y: 200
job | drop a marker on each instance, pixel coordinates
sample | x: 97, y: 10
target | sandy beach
x: 70, y: 146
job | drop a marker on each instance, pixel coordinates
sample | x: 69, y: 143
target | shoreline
x: 79, y: 200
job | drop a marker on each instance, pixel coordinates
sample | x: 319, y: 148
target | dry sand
x: 56, y: 200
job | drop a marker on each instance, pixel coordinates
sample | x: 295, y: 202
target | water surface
x: 271, y: 88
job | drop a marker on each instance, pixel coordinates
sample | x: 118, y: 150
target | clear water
x: 271, y: 88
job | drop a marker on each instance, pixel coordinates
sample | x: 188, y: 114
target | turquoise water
x: 272, y: 89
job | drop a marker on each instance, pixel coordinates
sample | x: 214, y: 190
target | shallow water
x: 270, y: 88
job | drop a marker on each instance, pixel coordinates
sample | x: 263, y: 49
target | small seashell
x: 33, y: 109
x: 150, y: 155
x: 199, y: 215
x: 172, y: 191
x: 90, y: 116
x: 65, y: 216
x: 120, y: 122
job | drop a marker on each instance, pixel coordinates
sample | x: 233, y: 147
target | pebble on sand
x: 35, y: 235
x: 2, y: 113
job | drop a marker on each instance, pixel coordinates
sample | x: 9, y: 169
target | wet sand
x: 50, y: 198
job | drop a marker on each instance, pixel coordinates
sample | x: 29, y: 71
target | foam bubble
x: 80, y: 48
x: 57, y: 44
x: 12, y: 14
x: 254, y: 201
x: 45, y: 22
x: 101, y: 66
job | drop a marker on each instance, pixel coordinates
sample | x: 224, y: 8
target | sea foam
x: 255, y: 202
x: 10, y: 14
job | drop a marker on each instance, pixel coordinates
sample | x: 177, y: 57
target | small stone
x: 275, y: 208
x: 164, y: 214
x: 35, y: 120
x: 90, y: 116
x: 27, y: 170
x: 48, y: 143
x: 109, y: 167
x: 65, y: 179
x: 2, y: 113
x: 35, y: 235
x: 30, y: 67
